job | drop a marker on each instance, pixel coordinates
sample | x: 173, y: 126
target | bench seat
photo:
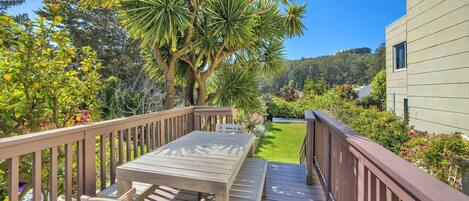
x: 249, y: 185
x: 142, y: 191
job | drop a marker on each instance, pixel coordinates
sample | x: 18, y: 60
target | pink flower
x: 411, y: 132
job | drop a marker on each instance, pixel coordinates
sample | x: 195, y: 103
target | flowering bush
x: 436, y: 154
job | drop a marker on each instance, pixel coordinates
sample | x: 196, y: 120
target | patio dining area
x: 180, y: 154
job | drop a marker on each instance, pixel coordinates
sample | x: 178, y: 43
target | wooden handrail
x: 117, y: 141
x: 352, y: 167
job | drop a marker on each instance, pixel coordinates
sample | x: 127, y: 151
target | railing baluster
x: 127, y: 144
x: 121, y: 147
x: 80, y: 169
x: 142, y: 139
x: 173, y: 129
x: 37, y: 176
x: 147, y: 137
x: 53, y: 174
x: 112, y: 147
x: 13, y: 178
x: 68, y: 172
x: 102, y: 160
x: 162, y: 132
x: 135, y: 133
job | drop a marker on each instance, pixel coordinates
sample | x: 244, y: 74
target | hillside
x: 354, y: 66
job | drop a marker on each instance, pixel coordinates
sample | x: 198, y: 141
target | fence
x: 352, y: 167
x: 86, y: 156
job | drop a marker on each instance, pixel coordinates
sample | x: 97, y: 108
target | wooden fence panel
x: 352, y: 167
x: 83, y: 145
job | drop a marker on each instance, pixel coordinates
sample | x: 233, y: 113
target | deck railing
x: 352, y: 167
x: 86, y: 156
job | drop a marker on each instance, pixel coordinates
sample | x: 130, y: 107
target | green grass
x: 282, y: 142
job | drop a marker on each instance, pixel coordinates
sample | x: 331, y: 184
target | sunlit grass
x: 282, y: 142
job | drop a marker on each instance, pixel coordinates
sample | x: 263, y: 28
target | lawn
x: 282, y: 142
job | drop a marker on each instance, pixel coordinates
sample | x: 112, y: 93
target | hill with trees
x: 352, y: 66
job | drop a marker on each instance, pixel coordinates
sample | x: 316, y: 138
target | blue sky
x: 332, y: 25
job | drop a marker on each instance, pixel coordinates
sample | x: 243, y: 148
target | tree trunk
x: 170, y: 86
x: 202, y: 92
x: 189, y: 91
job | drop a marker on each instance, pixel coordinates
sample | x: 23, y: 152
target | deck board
x: 285, y: 182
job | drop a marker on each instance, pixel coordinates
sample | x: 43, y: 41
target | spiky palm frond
x: 230, y: 21
x: 237, y: 87
x: 156, y: 21
x: 270, y: 24
x: 293, y: 20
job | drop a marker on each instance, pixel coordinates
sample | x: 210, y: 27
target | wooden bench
x: 129, y: 196
x: 249, y: 185
x: 142, y: 191
x: 230, y: 128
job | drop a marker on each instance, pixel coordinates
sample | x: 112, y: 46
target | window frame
x: 394, y: 56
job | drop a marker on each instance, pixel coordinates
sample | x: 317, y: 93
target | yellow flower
x: 78, y: 118
x: 36, y: 85
x: 173, y: 49
x: 58, y: 19
x: 85, y: 69
x: 55, y: 7
x: 7, y: 77
x: 43, y: 63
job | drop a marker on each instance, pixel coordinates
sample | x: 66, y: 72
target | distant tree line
x: 352, y: 66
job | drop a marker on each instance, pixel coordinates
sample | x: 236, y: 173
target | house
x: 427, y: 65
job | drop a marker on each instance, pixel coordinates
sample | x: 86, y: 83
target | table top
x: 200, y: 161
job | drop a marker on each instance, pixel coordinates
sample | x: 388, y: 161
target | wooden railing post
x: 309, y: 147
x: 89, y: 158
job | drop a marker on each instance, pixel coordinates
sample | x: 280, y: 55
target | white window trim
x: 394, y: 64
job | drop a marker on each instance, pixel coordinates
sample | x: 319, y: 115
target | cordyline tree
x: 201, y: 36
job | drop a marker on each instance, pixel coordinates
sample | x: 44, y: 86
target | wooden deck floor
x: 285, y: 182
x: 288, y: 182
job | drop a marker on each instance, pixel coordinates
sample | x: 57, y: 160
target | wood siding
x: 396, y: 81
x: 436, y: 81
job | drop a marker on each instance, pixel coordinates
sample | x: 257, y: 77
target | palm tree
x: 203, y: 34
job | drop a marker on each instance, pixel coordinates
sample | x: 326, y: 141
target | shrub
x: 377, y: 97
x: 346, y: 92
x: 436, y: 153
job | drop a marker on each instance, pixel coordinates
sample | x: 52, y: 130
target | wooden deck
x: 288, y: 182
x: 285, y: 182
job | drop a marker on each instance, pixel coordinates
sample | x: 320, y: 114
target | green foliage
x: 377, y: 96
x: 45, y: 78
x: 235, y: 87
x: 278, y: 107
x: 356, y: 66
x: 384, y: 128
x: 346, y: 92
x: 314, y: 88
x: 436, y: 155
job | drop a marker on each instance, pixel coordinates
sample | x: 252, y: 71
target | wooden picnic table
x: 200, y: 161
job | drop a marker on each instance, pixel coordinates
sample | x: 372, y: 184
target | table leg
x: 223, y: 196
x: 123, y: 187
x: 200, y: 195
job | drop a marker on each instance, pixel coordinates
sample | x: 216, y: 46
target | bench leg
x: 264, y: 190
x: 123, y: 187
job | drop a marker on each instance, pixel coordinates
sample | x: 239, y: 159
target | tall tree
x: 206, y: 33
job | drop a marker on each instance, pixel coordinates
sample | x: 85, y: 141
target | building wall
x: 437, y: 33
x: 396, y: 81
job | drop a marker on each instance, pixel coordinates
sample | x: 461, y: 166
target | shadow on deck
x: 285, y: 182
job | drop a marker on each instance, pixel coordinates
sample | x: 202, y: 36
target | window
x: 400, y: 56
